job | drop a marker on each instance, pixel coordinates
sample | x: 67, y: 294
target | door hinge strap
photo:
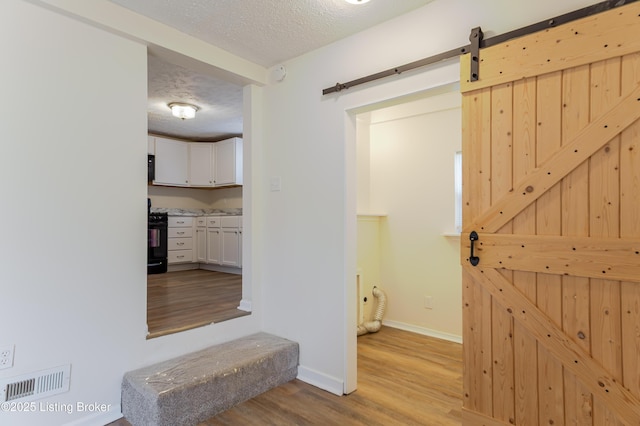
x: 475, y: 38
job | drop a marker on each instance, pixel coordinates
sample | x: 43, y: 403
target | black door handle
x: 474, y: 260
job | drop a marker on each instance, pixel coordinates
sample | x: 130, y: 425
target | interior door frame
x: 444, y: 78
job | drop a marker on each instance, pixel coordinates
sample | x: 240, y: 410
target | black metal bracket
x: 475, y: 38
x: 474, y: 260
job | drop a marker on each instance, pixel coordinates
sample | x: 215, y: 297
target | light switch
x: 276, y: 184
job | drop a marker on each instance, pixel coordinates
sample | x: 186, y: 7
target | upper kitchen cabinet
x: 171, y: 163
x: 228, y: 162
x: 198, y: 164
x: 201, y: 161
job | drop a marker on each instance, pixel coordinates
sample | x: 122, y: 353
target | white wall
x: 309, y: 237
x: 73, y: 190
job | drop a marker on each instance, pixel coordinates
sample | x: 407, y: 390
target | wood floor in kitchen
x: 182, y: 300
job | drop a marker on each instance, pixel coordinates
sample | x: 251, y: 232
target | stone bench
x: 194, y: 387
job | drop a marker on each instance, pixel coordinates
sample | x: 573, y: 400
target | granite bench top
x: 197, y: 212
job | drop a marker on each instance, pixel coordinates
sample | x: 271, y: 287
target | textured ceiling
x: 266, y: 32
x: 220, y: 103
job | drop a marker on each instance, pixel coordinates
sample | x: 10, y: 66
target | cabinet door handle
x: 180, y: 233
x: 180, y: 244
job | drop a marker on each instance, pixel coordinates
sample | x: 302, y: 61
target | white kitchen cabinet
x: 201, y: 161
x: 172, y: 161
x: 230, y: 247
x: 240, y: 253
x: 228, y: 162
x: 201, y: 239
x: 211, y: 240
x: 196, y: 164
x: 214, y: 240
x: 231, y: 241
x: 180, y: 240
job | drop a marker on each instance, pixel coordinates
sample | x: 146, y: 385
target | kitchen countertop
x: 197, y: 212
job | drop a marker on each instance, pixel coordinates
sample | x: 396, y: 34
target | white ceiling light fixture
x: 182, y: 110
x: 357, y: 1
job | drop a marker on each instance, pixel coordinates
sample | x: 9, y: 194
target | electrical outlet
x: 428, y: 302
x: 6, y: 357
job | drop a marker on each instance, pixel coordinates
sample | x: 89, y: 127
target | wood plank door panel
x: 551, y: 185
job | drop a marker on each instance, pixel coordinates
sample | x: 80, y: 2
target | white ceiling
x: 220, y: 103
x: 266, y: 32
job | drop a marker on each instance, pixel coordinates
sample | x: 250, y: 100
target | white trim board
x: 320, y: 380
x: 424, y: 331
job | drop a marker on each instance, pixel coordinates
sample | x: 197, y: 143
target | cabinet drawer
x: 213, y: 221
x: 201, y: 221
x: 230, y: 221
x: 180, y: 232
x: 180, y: 256
x: 180, y: 221
x: 180, y: 244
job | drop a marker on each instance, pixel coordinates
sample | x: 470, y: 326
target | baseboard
x: 220, y: 268
x: 99, y: 418
x: 424, y: 331
x: 182, y: 267
x: 245, y: 305
x: 206, y: 266
x: 321, y: 380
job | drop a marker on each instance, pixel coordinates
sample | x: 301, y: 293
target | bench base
x: 194, y: 387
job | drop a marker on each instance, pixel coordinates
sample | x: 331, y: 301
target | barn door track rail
x: 477, y: 42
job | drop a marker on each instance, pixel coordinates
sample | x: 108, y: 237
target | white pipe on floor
x: 376, y: 324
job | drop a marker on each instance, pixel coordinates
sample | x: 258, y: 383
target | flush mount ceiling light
x: 182, y: 110
x: 357, y: 1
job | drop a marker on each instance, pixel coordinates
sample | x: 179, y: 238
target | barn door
x: 551, y: 186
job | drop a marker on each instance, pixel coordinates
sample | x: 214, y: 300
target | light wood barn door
x: 551, y: 185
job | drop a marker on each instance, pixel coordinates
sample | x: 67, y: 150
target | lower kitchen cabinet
x: 214, y: 241
x: 210, y: 240
x: 180, y: 240
x: 231, y: 241
x: 219, y: 240
x: 201, y: 240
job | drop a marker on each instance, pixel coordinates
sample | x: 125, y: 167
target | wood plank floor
x: 403, y: 379
x: 182, y: 300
